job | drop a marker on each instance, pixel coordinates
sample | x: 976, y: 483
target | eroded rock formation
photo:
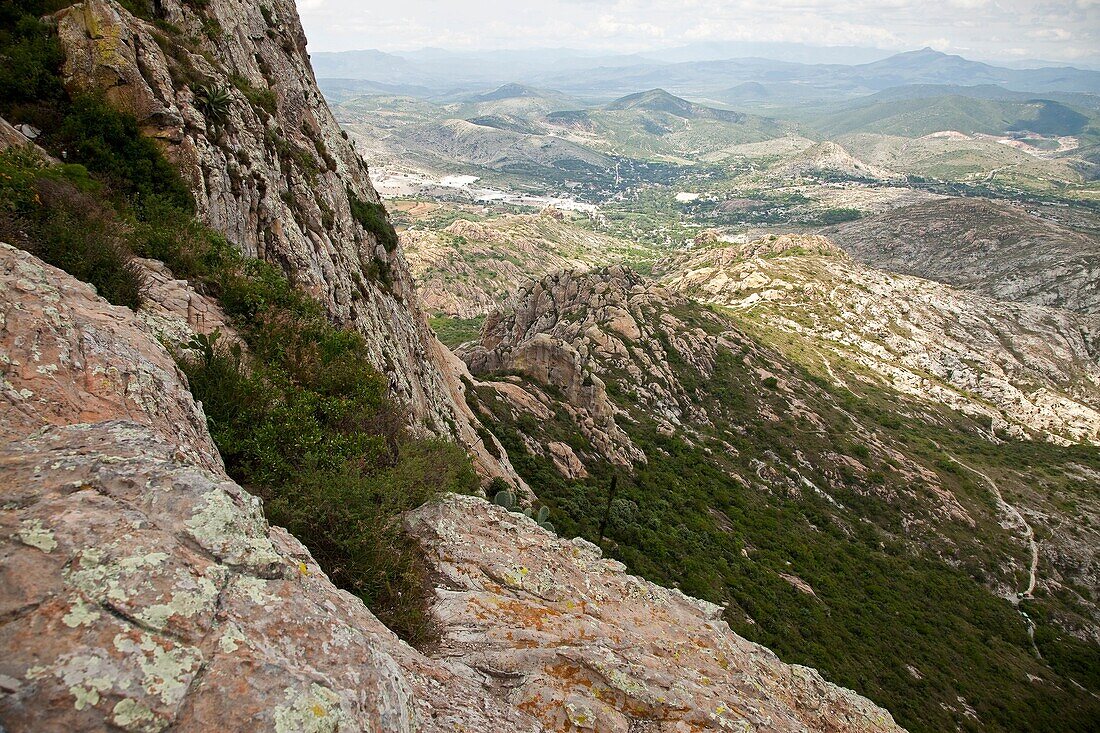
x: 271, y: 171
x: 556, y: 630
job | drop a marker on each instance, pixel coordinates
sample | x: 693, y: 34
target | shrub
x: 306, y: 424
x: 263, y: 99
x: 30, y: 56
x: 110, y: 145
x: 373, y: 218
x: 50, y: 213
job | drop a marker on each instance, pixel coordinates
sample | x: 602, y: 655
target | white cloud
x: 1053, y: 29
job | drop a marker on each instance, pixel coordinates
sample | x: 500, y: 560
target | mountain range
x: 596, y: 77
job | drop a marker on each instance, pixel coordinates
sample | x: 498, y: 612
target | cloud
x: 1054, y: 29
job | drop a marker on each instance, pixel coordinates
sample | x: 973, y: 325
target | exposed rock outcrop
x: 554, y: 629
x: 274, y: 174
x: 572, y: 330
x: 141, y: 589
x: 1026, y: 368
x: 992, y: 248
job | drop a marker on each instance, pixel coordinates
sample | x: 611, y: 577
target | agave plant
x: 213, y: 101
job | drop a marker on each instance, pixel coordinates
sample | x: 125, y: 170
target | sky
x: 1006, y: 30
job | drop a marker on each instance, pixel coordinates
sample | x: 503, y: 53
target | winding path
x: 1012, y: 511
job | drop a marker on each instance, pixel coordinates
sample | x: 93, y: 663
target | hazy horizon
x: 1005, y: 31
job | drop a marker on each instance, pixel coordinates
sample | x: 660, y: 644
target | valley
x: 826, y: 356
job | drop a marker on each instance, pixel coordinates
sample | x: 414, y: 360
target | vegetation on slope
x: 900, y: 609
x: 297, y: 412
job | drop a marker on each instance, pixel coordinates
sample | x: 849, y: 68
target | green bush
x: 51, y: 213
x: 305, y: 423
x: 110, y: 145
x: 263, y: 99
x: 373, y: 218
x: 30, y: 56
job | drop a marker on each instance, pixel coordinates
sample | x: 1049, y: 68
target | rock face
x: 1027, y: 368
x: 141, y: 589
x: 991, y: 248
x: 276, y: 176
x: 68, y: 356
x: 573, y: 330
x: 561, y: 633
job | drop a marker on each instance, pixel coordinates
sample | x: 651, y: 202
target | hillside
x: 715, y: 450
x: 465, y: 269
x: 919, y: 116
x: 994, y: 249
x: 227, y: 343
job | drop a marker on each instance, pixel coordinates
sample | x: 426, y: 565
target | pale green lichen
x: 102, y: 577
x: 580, y: 716
x: 190, y: 596
x: 131, y: 715
x: 166, y: 672
x: 316, y: 710
x: 81, y: 614
x: 87, y: 677
x: 231, y: 639
x: 85, y: 696
x: 240, y: 537
x: 34, y: 534
x: 254, y: 588
x: 516, y: 575
x: 621, y: 681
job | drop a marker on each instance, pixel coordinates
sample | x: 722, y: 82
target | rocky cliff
x: 140, y: 588
x: 771, y: 422
x: 227, y: 90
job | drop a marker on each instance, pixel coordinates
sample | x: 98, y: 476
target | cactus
x: 506, y: 499
x: 542, y: 517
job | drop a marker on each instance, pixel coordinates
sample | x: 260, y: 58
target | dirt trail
x: 1013, y: 512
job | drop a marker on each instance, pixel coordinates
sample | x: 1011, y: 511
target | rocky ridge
x: 561, y: 633
x: 140, y: 588
x: 1027, y: 368
x: 276, y: 176
x: 572, y: 331
x: 991, y: 248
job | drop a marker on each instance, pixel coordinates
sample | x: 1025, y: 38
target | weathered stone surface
x: 276, y: 176
x: 554, y: 629
x: 141, y: 589
x: 993, y: 248
x: 175, y: 310
x: 68, y: 356
x: 142, y: 592
x: 1028, y: 369
x: 575, y: 330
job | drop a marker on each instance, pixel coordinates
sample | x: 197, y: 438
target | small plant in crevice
x: 214, y: 102
x: 373, y: 218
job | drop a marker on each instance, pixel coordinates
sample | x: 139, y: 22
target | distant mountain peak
x: 512, y: 90
x: 655, y: 100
